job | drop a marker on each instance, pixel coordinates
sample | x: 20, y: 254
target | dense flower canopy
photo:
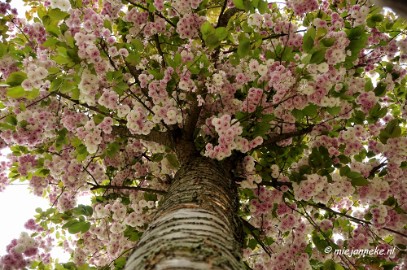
x: 307, y: 96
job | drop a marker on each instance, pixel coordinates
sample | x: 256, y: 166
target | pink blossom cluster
x: 26, y: 163
x: 74, y: 21
x: 20, y: 252
x: 66, y: 201
x: 340, y: 186
x: 353, y: 143
x: 87, y: 48
x: 359, y: 14
x: 4, y: 180
x: 7, y: 66
x: 36, y: 74
x: 111, y: 8
x: 156, y: 27
x: 367, y: 100
x: 188, y: 26
x: 37, y: 127
x: 109, y: 99
x: 301, y: 7
x: 259, y: 21
x: 38, y: 184
x: 137, y: 121
x: 396, y: 149
x: 110, y: 234
x: 379, y: 214
x: 5, y: 7
x: 254, y: 98
x: 229, y: 138
x: 376, y: 192
x: 90, y: 134
x: 138, y: 19
x: 36, y: 32
x: 265, y: 201
x: 281, y: 80
x: 359, y: 238
x: 185, y: 6
x: 309, y: 188
x: 71, y: 120
x: 330, y: 143
x: 89, y: 87
x: 337, y: 52
x: 287, y: 253
x: 185, y: 82
x: 33, y: 226
x: 252, y: 178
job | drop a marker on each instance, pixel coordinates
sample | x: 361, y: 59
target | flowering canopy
x: 308, y: 96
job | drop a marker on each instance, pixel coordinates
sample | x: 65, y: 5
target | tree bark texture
x: 196, y: 225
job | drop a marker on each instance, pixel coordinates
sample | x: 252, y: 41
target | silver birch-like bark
x: 196, y: 225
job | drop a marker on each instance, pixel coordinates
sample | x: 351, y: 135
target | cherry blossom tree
x: 209, y: 134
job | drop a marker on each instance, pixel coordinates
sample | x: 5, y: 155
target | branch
x: 251, y: 228
x: 94, y: 187
x: 275, y: 138
x: 376, y: 168
x: 92, y: 108
x: 29, y: 105
x: 224, y: 17
x: 162, y: 138
x: 121, y: 130
x: 354, y: 219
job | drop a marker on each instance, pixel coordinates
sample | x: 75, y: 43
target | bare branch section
x: 354, y: 219
x: 225, y: 16
x: 275, y: 138
x: 162, y: 138
x: 121, y: 130
x: 94, y: 187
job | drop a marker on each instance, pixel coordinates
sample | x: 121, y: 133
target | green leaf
x: 311, y: 110
x: 83, y: 210
x: 244, y: 46
x: 262, y: 6
x: 358, y: 38
x: 252, y: 243
x: 319, y: 242
x: 359, y: 181
x: 61, y: 140
x: 221, y: 33
x: 261, y: 129
x: 207, y: 28
x: 308, y: 41
x: 75, y: 226
x: 242, y: 4
x: 380, y: 89
x: 120, y: 263
x: 57, y: 14
x: 16, y: 92
x: 11, y: 119
x: 392, y: 130
x: 334, y: 111
x: 132, y: 234
x: 81, y: 152
x: 332, y: 265
x: 172, y: 159
x: 318, y: 56
x: 328, y: 42
x: 16, y: 78
x: 112, y: 149
x: 369, y: 85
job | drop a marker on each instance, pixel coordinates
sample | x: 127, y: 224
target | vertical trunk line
x: 196, y: 225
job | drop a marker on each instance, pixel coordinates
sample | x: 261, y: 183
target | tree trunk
x: 196, y: 225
